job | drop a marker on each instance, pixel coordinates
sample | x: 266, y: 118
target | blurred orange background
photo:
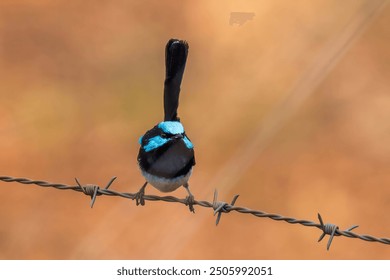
x: 290, y: 110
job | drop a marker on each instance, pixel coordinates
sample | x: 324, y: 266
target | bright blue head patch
x: 154, y: 143
x: 171, y: 127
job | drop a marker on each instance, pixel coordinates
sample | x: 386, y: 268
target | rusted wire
x: 219, y: 207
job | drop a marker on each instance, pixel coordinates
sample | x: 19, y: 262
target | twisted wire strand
x: 219, y: 207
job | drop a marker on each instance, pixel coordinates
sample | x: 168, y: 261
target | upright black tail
x: 176, y: 53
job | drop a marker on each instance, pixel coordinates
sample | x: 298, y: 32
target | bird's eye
x: 164, y: 135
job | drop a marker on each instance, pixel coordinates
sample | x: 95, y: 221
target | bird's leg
x: 139, y: 196
x: 190, y: 198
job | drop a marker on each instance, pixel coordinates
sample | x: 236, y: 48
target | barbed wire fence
x: 218, y: 207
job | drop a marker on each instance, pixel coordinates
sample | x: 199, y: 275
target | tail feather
x: 176, y: 53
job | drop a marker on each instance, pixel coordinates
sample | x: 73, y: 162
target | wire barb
x: 332, y: 230
x: 218, y: 207
x: 93, y: 190
x: 221, y: 206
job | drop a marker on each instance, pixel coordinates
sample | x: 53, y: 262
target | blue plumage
x: 154, y: 143
x: 171, y: 127
x: 188, y: 143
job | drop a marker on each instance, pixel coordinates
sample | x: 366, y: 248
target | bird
x: 166, y: 156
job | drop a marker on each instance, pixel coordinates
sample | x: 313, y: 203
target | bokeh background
x: 290, y: 110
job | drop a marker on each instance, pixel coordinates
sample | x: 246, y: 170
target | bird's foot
x: 190, y: 200
x: 139, y: 196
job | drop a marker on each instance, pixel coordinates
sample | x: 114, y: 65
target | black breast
x: 169, y: 161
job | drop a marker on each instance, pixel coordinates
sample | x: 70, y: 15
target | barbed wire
x: 219, y: 207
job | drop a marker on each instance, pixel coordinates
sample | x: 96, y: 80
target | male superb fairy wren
x: 166, y: 156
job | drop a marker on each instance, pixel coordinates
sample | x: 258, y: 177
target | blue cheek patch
x: 140, y: 140
x: 154, y: 143
x: 188, y: 142
x: 171, y: 127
